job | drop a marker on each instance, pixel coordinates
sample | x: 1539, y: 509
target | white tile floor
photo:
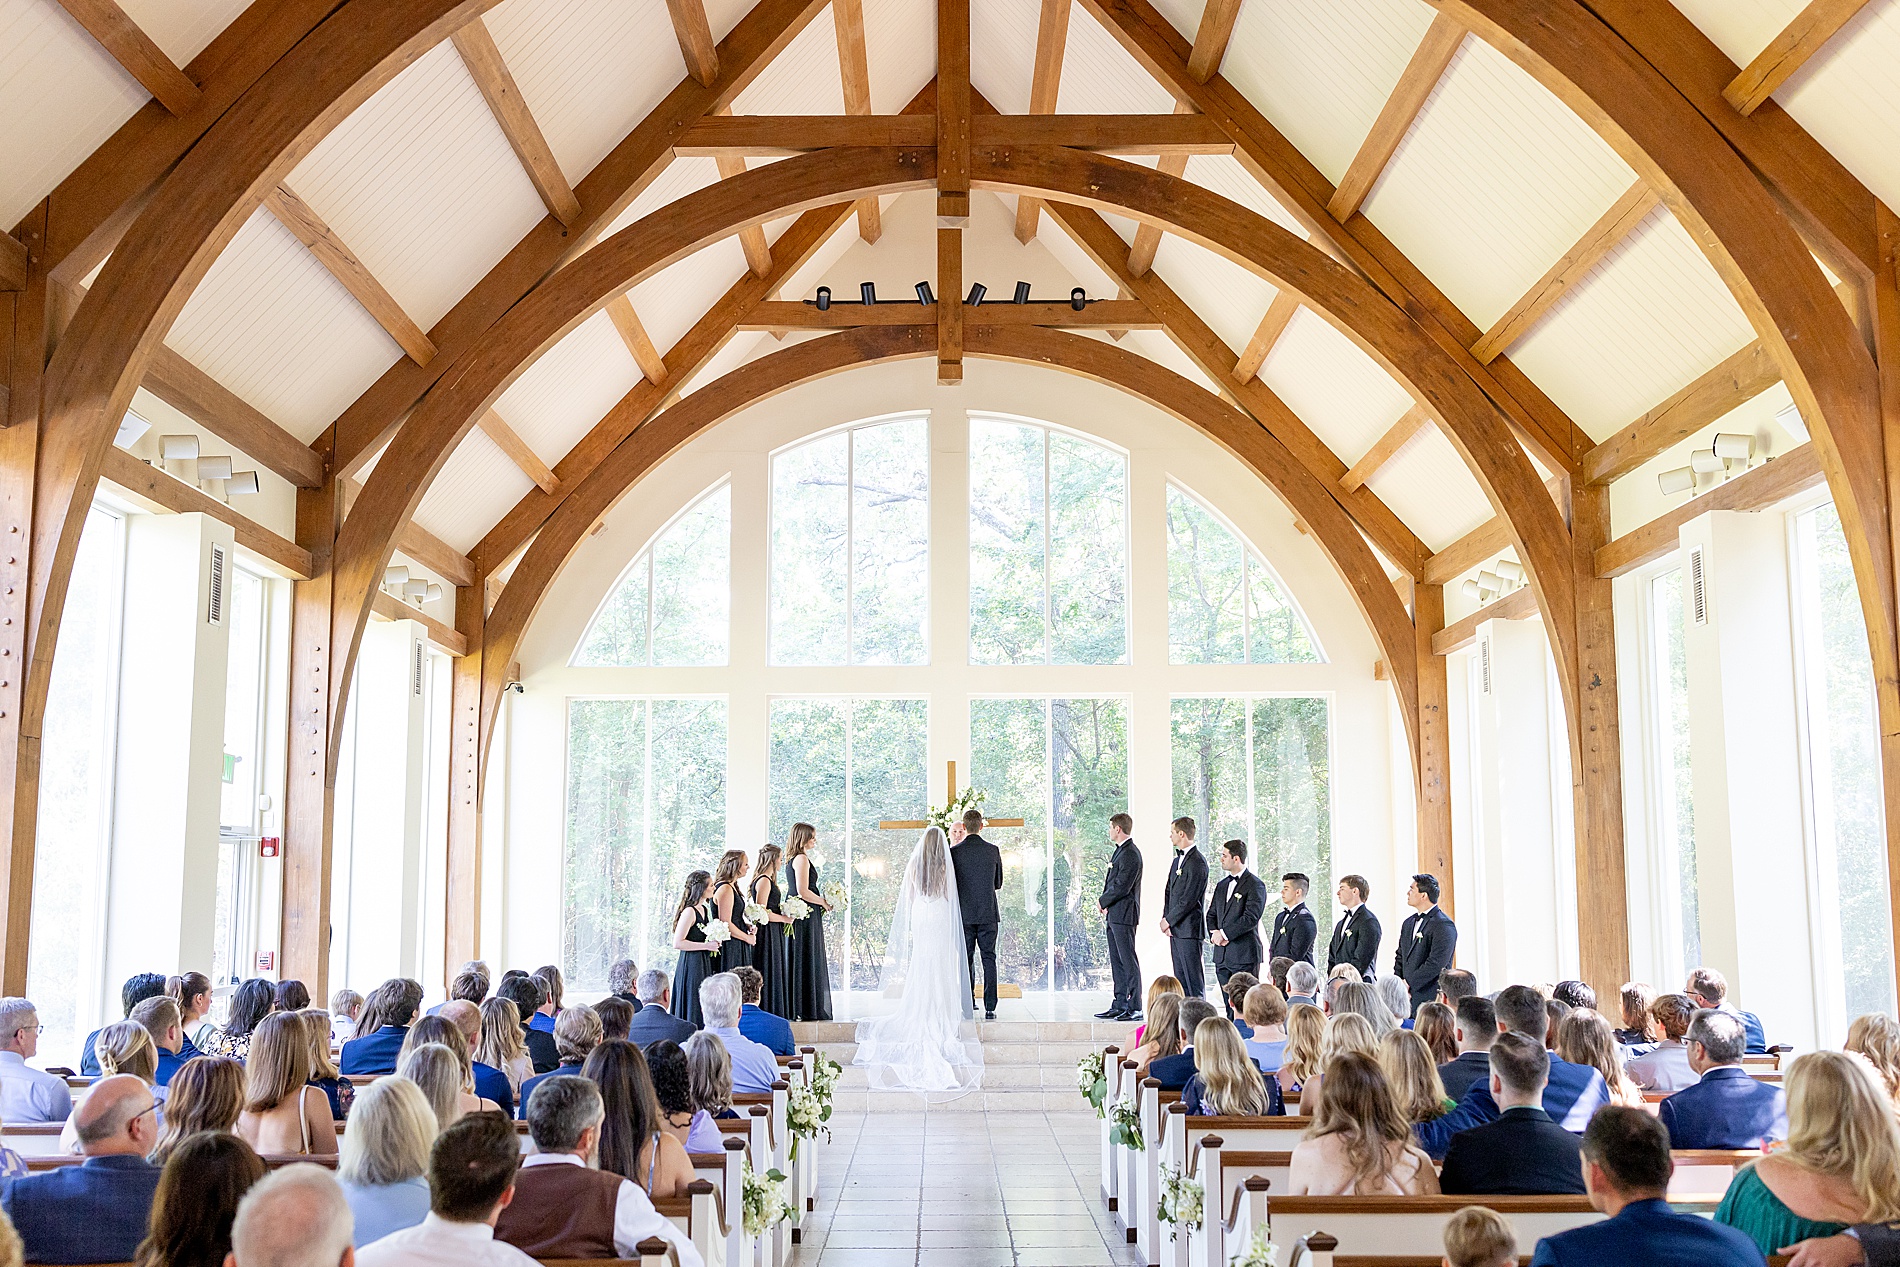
x: 1035, y: 1005
x: 962, y: 1190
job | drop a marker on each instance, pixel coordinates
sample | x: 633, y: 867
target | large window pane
x: 1090, y: 738
x: 1008, y: 542
x: 1009, y: 761
x: 1225, y: 606
x: 1676, y: 802
x: 1088, y: 553
x: 1213, y: 780
x: 811, y: 551
x: 671, y: 606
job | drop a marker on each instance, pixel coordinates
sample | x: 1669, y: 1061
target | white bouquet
x: 968, y: 799
x: 1181, y: 1199
x: 825, y: 1073
x: 805, y: 1114
x: 756, y: 915
x: 795, y: 907
x: 717, y: 932
x: 1259, y: 1252
x: 1126, y: 1131
x: 765, y: 1203
x: 834, y: 894
x: 1091, y: 1078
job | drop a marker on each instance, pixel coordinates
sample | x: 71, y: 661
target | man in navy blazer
x: 1574, y: 1093
x: 373, y: 1053
x: 1709, y: 988
x: 755, y: 1022
x: 1727, y: 1108
x: 1523, y: 1153
x: 1626, y: 1169
x: 1173, y: 1072
x: 95, y: 1212
x: 655, y: 1022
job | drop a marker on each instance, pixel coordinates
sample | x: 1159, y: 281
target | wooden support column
x: 1603, y: 938
x: 310, y: 798
x: 1886, y: 296
x: 953, y: 181
x: 1434, y: 750
x: 462, y: 927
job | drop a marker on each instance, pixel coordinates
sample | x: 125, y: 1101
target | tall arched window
x: 1225, y: 606
x: 1048, y: 546
x: 851, y: 546
x: 670, y: 607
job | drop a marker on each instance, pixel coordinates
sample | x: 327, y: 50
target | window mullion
x: 850, y: 554
x: 1048, y: 620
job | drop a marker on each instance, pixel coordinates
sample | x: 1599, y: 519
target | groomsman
x: 1233, y: 917
x: 1182, y: 921
x: 1121, y: 910
x: 1356, y: 935
x: 1295, y: 930
x: 1426, y: 941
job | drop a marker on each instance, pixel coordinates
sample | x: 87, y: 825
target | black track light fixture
x: 1078, y: 299
x: 1022, y: 292
x: 925, y: 295
x: 867, y: 293
x: 977, y: 291
x: 824, y: 299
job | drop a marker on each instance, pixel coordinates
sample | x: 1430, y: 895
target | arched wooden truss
x: 193, y: 212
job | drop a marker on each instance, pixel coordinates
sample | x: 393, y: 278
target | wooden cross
x: 950, y: 796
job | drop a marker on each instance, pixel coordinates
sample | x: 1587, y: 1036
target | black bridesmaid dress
x: 693, y: 967
x: 772, y: 957
x: 734, y: 953
x: 811, y: 976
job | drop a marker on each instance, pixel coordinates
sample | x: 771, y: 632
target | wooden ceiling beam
x: 1519, y: 604
x: 134, y: 50
x: 1385, y: 447
x: 1211, y: 37
x: 782, y: 135
x: 1266, y: 334
x: 1101, y: 314
x: 1727, y: 386
x: 1045, y: 86
x: 1571, y: 267
x: 854, y: 75
x: 335, y: 255
x: 758, y: 254
x: 476, y: 44
x: 695, y: 37
x: 387, y: 606
x: 1774, y: 481
x: 1141, y: 252
x: 160, y: 491
x: 1421, y: 74
x: 420, y: 545
x: 1817, y: 23
x: 634, y: 335
x: 509, y: 441
x: 223, y: 413
x: 1488, y: 539
x: 953, y: 181
x: 13, y: 263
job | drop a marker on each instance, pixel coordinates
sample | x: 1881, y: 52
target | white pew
x: 1111, y: 1075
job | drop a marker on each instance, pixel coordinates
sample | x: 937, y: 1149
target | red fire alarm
x: 266, y: 960
x: 267, y: 847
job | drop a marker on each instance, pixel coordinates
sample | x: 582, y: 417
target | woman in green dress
x: 1841, y: 1165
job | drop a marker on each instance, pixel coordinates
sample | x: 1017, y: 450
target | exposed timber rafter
x: 695, y: 37
x: 207, y: 402
x: 134, y: 50
x: 634, y: 334
x: 1102, y: 314
x: 13, y: 263
x: 484, y: 61
x: 1279, y: 314
x: 1045, y: 86
x: 854, y: 77
x: 758, y: 255
x: 1211, y: 37
x: 509, y: 441
x: 782, y: 135
x: 1421, y: 74
x: 331, y: 251
x: 1141, y: 252
x: 1817, y: 23
x: 1729, y: 385
x: 1385, y: 448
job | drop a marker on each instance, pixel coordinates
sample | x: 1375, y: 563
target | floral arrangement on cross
x: 968, y: 799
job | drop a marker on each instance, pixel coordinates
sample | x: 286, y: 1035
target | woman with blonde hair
x: 1225, y: 1082
x: 1360, y: 1143
x: 1347, y: 1032
x: 122, y: 1047
x: 1438, y: 1026
x: 436, y: 1030
x: 384, y: 1166
x: 1355, y: 998
x: 709, y: 1074
x: 1164, y: 1033
x: 1413, y: 1076
x: 1585, y: 1038
x: 323, y: 1071
x: 811, y: 977
x: 1305, y: 1039
x: 207, y: 1094
x: 1876, y: 1038
x: 283, y: 1113
x: 1841, y: 1165
x: 500, y: 1045
x: 434, y: 1068
x: 1156, y: 988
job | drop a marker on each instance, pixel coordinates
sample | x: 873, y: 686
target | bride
x: 929, y: 1042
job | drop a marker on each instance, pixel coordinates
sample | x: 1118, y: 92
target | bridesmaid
x: 695, y: 963
x: 729, y: 903
x: 811, y: 977
x: 771, y: 954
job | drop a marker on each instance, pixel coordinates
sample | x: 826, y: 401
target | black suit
x: 1523, y: 1153
x: 1295, y: 934
x: 1121, y: 908
x: 1235, y: 910
x: 1355, y: 941
x: 1187, y: 928
x: 1426, y: 943
x: 979, y: 868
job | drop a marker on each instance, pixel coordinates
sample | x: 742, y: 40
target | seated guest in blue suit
x: 1173, y: 1072
x: 527, y: 995
x: 137, y: 988
x: 490, y: 1082
x: 1574, y: 1093
x: 553, y: 986
x: 758, y: 1024
x: 1709, y: 988
x: 95, y: 1212
x: 162, y: 1021
x: 1522, y: 1153
x: 655, y: 1022
x: 1477, y: 1029
x: 1727, y: 1109
x: 382, y: 1025
x: 1626, y: 1169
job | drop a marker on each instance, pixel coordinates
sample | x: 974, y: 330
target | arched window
x: 670, y: 606
x: 1225, y: 606
x: 851, y: 546
x: 1048, y: 546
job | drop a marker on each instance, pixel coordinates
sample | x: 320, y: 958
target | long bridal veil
x: 929, y: 1042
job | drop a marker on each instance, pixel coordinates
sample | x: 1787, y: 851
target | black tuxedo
x: 1187, y: 926
x: 1426, y: 943
x: 1295, y: 934
x: 1523, y: 1153
x: 979, y: 868
x: 1355, y: 941
x: 1235, y: 910
x: 1121, y: 909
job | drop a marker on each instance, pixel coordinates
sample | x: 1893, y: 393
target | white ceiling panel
x: 589, y: 70
x: 270, y: 323
x: 422, y: 185
x: 721, y: 15
x: 1430, y: 488
x: 1225, y: 295
x: 1223, y: 174
x: 1099, y: 76
x: 1341, y: 393
x: 1159, y: 348
x: 1183, y: 15
x: 682, y: 176
x: 1646, y: 320
x: 901, y: 48
x: 1003, y: 51
x: 472, y: 491
x: 671, y: 300
x: 1322, y: 72
x: 803, y: 78
x: 1495, y: 181
x: 559, y: 398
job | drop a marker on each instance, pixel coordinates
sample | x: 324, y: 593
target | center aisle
x: 962, y: 1189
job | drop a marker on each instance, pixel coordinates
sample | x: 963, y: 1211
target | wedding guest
x: 1523, y: 1152
x: 553, y: 987
x: 197, y: 1199
x: 1159, y: 986
x: 1666, y: 1068
x: 1455, y: 984
x: 1359, y: 1143
x: 1234, y: 992
x: 655, y: 1022
x: 528, y: 996
x: 206, y: 1096
x: 138, y: 987
x: 616, y: 1015
x: 250, y: 1004
x: 472, y: 1173
x: 500, y: 1045
x: 27, y: 1094
x: 1174, y: 1071
x: 1554, y: 1013
x: 1585, y: 1038
x: 1163, y: 1030
x: 1875, y: 1037
x: 1477, y: 1029
x: 345, y: 1006
x: 757, y: 1024
x: 1348, y: 1033
x: 576, y: 1033
x: 283, y: 1113
x: 634, y: 1141
x: 1305, y: 1043
x: 690, y: 918
x: 98, y: 1211
x: 291, y: 996
x: 673, y: 1093
x: 1225, y: 1082
x: 324, y: 1075
x: 1726, y: 1108
x: 384, y: 1161
x: 123, y: 1047
x: 432, y: 1067
x: 1638, y: 1036
x: 1396, y: 997
x: 1709, y: 988
x: 728, y: 902
x: 1266, y: 1012
x: 1413, y: 1076
x: 385, y: 1020
x: 1277, y: 968
x: 1438, y: 1026
x: 810, y: 975
x: 1302, y: 984
x: 1358, y: 999
x: 1479, y: 1237
x: 294, y: 1217
x: 754, y: 1068
x: 709, y: 1076
x: 443, y: 1031
x: 159, y: 1015
x: 487, y: 1081
x: 192, y: 992
x: 772, y: 952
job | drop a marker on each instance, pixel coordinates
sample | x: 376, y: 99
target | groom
x: 979, y: 868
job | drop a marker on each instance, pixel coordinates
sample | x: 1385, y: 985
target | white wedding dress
x: 929, y: 1043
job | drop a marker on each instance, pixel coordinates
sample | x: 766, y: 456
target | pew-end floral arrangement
x: 765, y: 1203
x: 1181, y: 1199
x: 1091, y: 1079
x: 1258, y: 1252
x: 1125, y: 1124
